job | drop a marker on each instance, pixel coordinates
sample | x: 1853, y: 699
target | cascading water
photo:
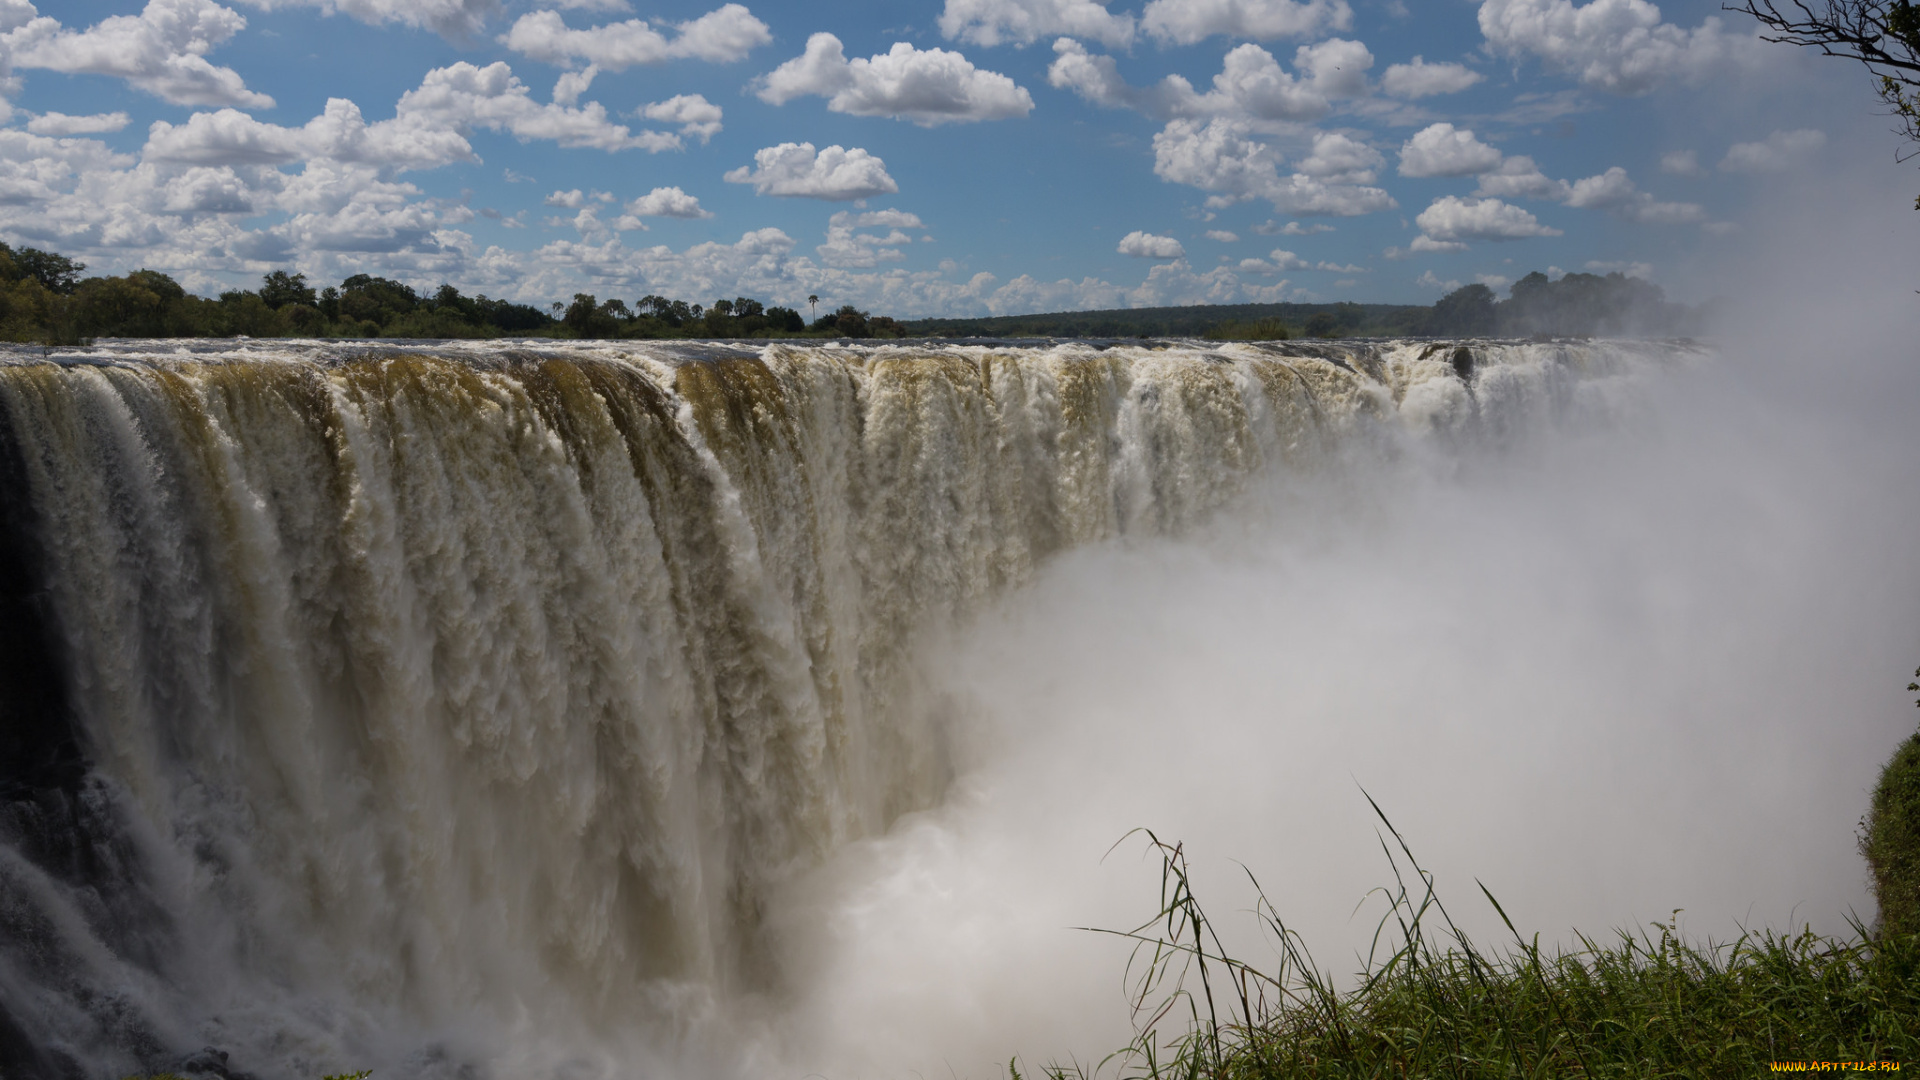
x: 360, y: 697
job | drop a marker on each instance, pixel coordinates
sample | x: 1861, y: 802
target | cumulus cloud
x: 1518, y: 177
x: 667, y: 202
x: 1146, y: 245
x: 451, y: 18
x: 1023, y: 22
x: 1251, y: 83
x: 846, y: 246
x: 1444, y: 150
x: 1452, y: 221
x: 1220, y: 156
x: 1336, y: 67
x: 835, y: 173
x: 1614, y: 191
x: 429, y: 128
x: 1621, y: 46
x: 1185, y: 22
x: 161, y: 51
x: 54, y: 123
x: 724, y: 34
x: 1778, y: 152
x: 929, y: 87
x: 575, y: 199
x: 1341, y: 159
x: 1291, y: 228
x: 1223, y: 236
x: 1276, y: 262
x: 1420, y: 79
x: 697, y: 117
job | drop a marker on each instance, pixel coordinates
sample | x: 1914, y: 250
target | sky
x: 929, y: 157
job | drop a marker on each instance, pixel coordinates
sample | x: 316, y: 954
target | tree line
x: 44, y: 298
x: 1577, y: 305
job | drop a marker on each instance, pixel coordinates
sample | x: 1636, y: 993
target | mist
x: 1640, y: 671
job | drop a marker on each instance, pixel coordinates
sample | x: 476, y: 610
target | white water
x: 468, y: 707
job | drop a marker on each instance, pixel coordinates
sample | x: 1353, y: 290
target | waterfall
x: 357, y: 695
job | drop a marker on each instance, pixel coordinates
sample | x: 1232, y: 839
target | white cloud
x: 54, y: 123
x: 1519, y: 178
x: 1451, y: 220
x: 1420, y: 79
x: 847, y: 247
x: 929, y: 87
x: 724, y: 34
x: 1778, y: 152
x: 1023, y: 22
x: 1340, y: 159
x: 160, y: 51
x: 571, y: 84
x: 1427, y: 244
x: 1429, y: 281
x: 1251, y: 83
x: 429, y: 128
x: 697, y: 117
x: 1444, y: 150
x: 1146, y: 245
x: 1616, y: 45
x: 1682, y: 163
x: 666, y: 202
x: 452, y: 18
x: 1219, y: 156
x: 1614, y: 191
x: 835, y: 173
x: 1188, y: 21
x: 1276, y: 262
x: 1337, y: 67
x: 1291, y: 228
x: 461, y: 97
x: 1223, y: 236
x: 575, y: 199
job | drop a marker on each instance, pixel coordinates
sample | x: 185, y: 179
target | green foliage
x: 278, y: 289
x: 56, y: 273
x: 1890, y: 839
x: 1437, y: 1004
x: 1466, y: 312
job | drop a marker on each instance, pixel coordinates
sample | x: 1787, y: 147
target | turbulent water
x: 357, y: 696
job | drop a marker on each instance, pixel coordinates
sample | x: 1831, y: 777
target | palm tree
x: 813, y: 304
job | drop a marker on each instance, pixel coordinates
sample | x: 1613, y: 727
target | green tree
x: 279, y: 288
x: 584, y: 319
x: 55, y: 272
x: 1464, y: 312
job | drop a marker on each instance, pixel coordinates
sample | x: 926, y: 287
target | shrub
x: 1890, y: 838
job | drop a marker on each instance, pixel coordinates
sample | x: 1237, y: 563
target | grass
x: 1430, y: 1002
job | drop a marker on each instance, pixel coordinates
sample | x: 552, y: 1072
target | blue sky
x: 935, y: 157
